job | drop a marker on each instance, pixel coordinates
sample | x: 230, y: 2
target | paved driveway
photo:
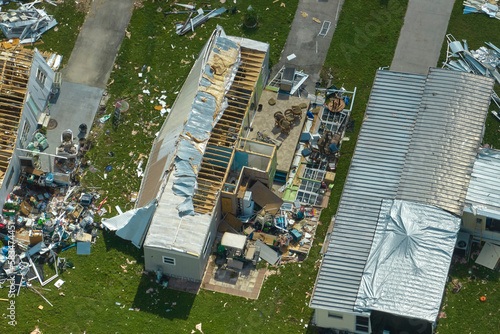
x: 88, y: 69
x: 303, y: 41
x: 98, y: 43
x: 422, y: 35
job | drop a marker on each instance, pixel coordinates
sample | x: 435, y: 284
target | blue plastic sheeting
x: 196, y: 133
x: 186, y: 207
x: 224, y: 44
x: 469, y: 10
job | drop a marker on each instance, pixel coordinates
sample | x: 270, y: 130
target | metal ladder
x: 277, y: 78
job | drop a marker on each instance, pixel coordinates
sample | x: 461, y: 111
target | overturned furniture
x: 282, y: 122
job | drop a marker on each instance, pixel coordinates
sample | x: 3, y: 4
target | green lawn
x: 463, y: 312
x: 364, y: 40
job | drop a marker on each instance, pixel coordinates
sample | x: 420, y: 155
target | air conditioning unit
x: 463, y: 240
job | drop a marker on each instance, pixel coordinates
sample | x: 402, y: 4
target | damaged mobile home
x: 27, y: 83
x: 235, y: 157
x: 195, y: 150
x: 386, y: 261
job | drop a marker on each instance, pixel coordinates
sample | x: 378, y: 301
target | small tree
x: 250, y: 18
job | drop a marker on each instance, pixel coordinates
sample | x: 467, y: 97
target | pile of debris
x: 483, y: 61
x: 192, y: 22
x: 27, y: 23
x: 488, y: 7
x: 42, y: 217
x: 282, y: 230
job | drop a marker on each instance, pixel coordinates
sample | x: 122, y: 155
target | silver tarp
x: 133, y: 224
x: 408, y: 263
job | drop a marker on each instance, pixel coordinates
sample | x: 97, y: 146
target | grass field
x: 362, y: 43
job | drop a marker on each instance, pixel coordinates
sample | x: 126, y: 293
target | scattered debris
x: 104, y: 118
x: 488, y: 7
x: 324, y: 29
x: 59, y: 283
x: 483, y: 61
x: 27, y: 23
x: 192, y: 23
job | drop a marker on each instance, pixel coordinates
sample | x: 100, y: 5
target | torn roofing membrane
x: 207, y: 107
x: 407, y: 267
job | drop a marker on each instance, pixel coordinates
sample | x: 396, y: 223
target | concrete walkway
x: 88, y: 70
x: 303, y: 41
x: 98, y: 43
x: 422, y: 35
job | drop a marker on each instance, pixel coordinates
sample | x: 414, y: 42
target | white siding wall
x: 186, y: 266
x: 346, y: 323
x: 39, y: 93
x: 469, y: 224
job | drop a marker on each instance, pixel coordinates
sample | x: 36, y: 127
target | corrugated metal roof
x: 267, y: 253
x: 445, y: 140
x: 373, y: 176
x: 169, y: 231
x: 484, y: 188
x: 407, y: 268
x: 396, y: 155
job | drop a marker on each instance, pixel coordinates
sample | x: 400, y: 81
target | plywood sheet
x: 265, y: 198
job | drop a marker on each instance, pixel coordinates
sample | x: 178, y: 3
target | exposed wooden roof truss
x: 15, y: 67
x: 219, y: 153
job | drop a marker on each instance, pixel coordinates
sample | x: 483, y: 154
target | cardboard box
x: 35, y: 237
x: 329, y: 177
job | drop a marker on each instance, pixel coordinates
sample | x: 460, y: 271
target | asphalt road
x: 422, y: 35
x: 303, y: 40
x: 95, y: 50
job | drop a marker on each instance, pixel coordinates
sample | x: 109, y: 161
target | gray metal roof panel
x: 484, y: 188
x: 450, y: 124
x: 393, y: 106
